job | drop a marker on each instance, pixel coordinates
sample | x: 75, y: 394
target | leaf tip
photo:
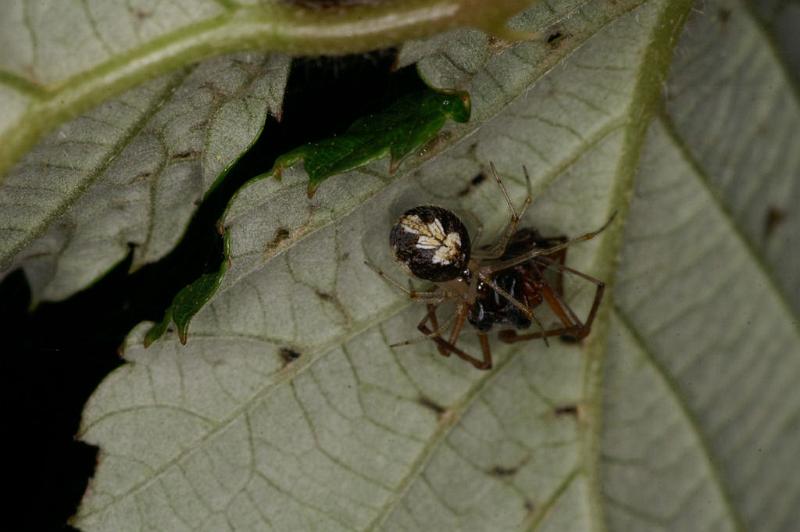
x: 312, y: 189
x: 157, y: 330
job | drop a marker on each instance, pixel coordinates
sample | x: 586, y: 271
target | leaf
x: 752, y: 160
x: 257, y: 230
x: 407, y: 124
x: 288, y: 409
x: 701, y: 407
x: 62, y: 59
x: 131, y: 171
x: 412, y: 120
x: 781, y: 18
x: 186, y: 303
x: 701, y: 403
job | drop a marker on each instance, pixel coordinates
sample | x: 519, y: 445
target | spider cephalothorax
x: 501, y: 284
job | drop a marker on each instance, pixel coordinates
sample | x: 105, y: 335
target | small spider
x: 495, y: 285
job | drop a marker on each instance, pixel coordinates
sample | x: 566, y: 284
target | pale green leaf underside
x: 782, y: 17
x: 737, y: 113
x: 222, y: 434
x: 706, y: 332
x: 131, y: 171
x: 712, y: 352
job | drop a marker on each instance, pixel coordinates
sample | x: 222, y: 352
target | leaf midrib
x: 654, y: 65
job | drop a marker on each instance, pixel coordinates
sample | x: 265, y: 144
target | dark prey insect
x: 501, y: 284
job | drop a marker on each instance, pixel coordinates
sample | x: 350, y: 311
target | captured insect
x: 500, y: 284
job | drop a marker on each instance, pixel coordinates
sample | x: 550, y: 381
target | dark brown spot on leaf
x: 774, y: 217
x: 289, y: 355
x: 280, y: 235
x: 568, y: 339
x: 478, y: 179
x: 432, y: 405
x: 141, y: 14
x: 187, y: 154
x: 497, y: 45
x: 566, y: 410
x: 324, y: 295
x: 474, y: 182
x: 500, y: 471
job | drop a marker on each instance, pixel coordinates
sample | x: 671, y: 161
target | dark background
x: 54, y: 356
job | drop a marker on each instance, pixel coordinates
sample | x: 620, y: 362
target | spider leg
x: 486, y: 350
x: 572, y: 325
x: 447, y: 348
x: 437, y: 330
x: 559, y: 257
x: 525, y: 257
x: 431, y: 295
x: 461, y: 316
x: 554, y: 296
x: 499, y: 249
x: 598, y: 296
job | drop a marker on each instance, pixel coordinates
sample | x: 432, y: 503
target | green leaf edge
x: 434, y: 104
x: 189, y: 300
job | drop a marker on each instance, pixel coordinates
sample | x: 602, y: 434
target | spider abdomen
x: 431, y: 242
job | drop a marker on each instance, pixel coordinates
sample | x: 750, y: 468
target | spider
x: 500, y: 284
